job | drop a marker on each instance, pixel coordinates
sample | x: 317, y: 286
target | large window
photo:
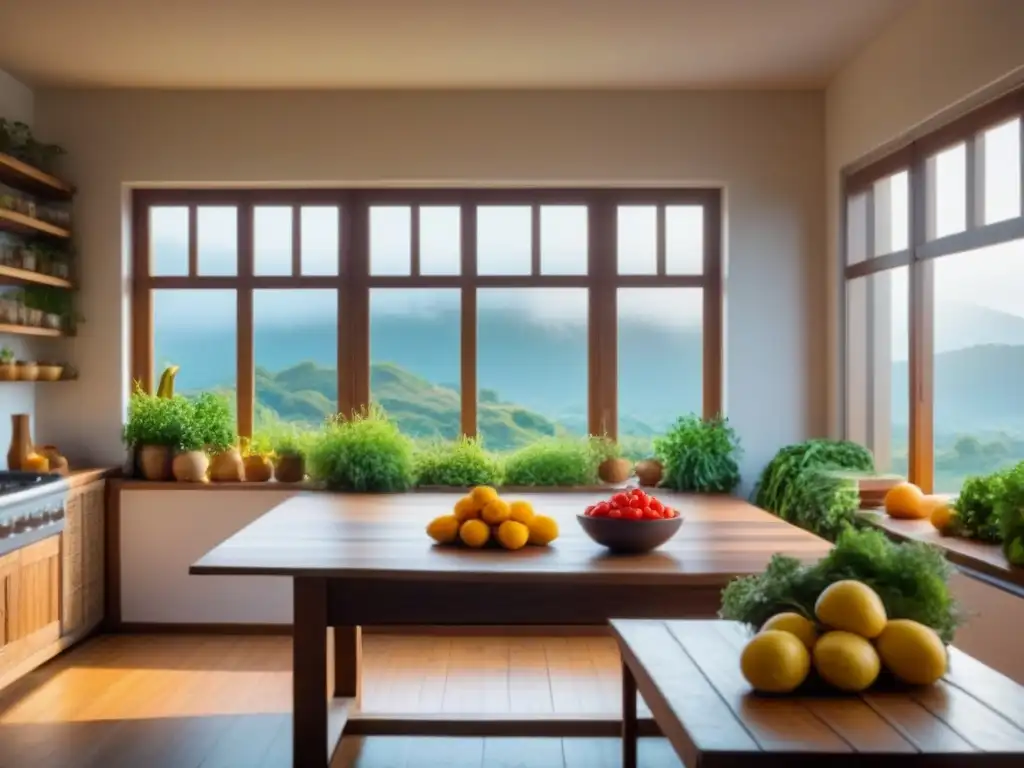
x: 934, y: 294
x: 508, y: 314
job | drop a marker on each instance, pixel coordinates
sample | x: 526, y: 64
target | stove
x: 31, y: 508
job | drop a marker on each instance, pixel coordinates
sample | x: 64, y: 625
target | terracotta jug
x: 21, y: 441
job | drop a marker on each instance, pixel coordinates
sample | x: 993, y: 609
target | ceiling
x: 436, y: 43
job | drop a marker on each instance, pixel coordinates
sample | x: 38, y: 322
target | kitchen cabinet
x: 30, y: 608
x: 82, y: 560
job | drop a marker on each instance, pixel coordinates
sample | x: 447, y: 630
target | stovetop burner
x: 31, y: 508
x: 12, y: 482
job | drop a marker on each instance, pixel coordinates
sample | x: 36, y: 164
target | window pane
x: 168, y: 240
x: 295, y: 343
x: 531, y: 364
x: 218, y: 240
x: 320, y: 225
x: 892, y: 211
x: 272, y: 239
x: 857, y: 228
x: 563, y: 239
x: 415, y: 369
x: 947, y: 209
x: 196, y: 329
x: 878, y: 388
x: 662, y: 324
x: 637, y: 243
x: 684, y: 239
x: 503, y: 239
x: 440, y: 240
x: 1002, y: 172
x: 979, y: 362
x: 390, y: 240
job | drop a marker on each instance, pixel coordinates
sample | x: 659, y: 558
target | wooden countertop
x: 986, y: 560
x: 79, y: 477
x: 383, y: 536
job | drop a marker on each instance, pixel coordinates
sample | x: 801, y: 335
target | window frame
x: 354, y: 281
x: 922, y: 251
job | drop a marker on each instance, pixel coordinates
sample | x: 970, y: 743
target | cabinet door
x: 93, y: 552
x: 72, y: 596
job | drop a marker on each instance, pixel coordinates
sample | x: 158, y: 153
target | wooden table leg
x: 629, y: 723
x: 348, y: 661
x: 309, y: 671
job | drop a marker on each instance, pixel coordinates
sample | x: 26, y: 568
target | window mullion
x: 468, y: 321
x: 921, y: 329
x: 245, y: 370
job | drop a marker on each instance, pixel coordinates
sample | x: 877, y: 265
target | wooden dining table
x: 365, y: 560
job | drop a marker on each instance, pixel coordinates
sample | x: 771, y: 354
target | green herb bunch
x: 161, y: 421
x: 775, y: 489
x: 822, y: 502
x: 911, y: 578
x: 976, y: 516
x: 364, y: 453
x: 1010, y: 513
x: 459, y: 463
x: 213, y: 423
x: 699, y: 455
x: 554, y: 461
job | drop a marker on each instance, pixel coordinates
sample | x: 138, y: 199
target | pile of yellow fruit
x: 857, y: 641
x: 482, y: 516
x: 905, y: 501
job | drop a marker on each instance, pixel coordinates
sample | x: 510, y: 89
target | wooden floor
x: 213, y: 702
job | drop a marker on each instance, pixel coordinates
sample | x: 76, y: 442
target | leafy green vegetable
x: 822, y: 502
x: 213, y: 423
x: 162, y: 421
x: 363, y: 453
x: 563, y: 461
x: 911, y: 578
x: 699, y: 455
x: 458, y: 463
x: 976, y: 507
x: 1010, y: 512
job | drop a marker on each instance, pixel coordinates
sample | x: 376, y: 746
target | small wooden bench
x: 688, y: 673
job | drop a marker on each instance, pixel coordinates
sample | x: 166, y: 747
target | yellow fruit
x: 775, y: 662
x: 905, y: 501
x: 474, y: 533
x: 466, y: 509
x: 543, y: 530
x: 444, y: 529
x: 483, y: 495
x: 851, y: 606
x: 846, y: 661
x: 943, y: 516
x: 496, y: 512
x: 520, y: 511
x: 513, y: 535
x: 795, y: 624
x: 912, y: 652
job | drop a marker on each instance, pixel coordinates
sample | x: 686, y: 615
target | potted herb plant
x: 363, y: 453
x: 8, y: 370
x: 612, y: 468
x: 289, y: 448
x: 699, y: 455
x: 216, y: 425
x: 156, y: 428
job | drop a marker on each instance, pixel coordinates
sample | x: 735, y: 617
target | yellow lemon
x: 496, y: 512
x: 905, y: 501
x: 846, y: 661
x: 944, y: 517
x: 513, y: 535
x: 543, y: 530
x: 466, y: 508
x: 483, y: 495
x: 853, y: 607
x: 474, y: 533
x: 775, y: 662
x: 911, y: 651
x: 795, y: 624
x: 520, y: 511
x: 444, y: 529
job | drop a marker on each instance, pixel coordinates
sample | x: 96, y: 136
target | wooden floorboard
x: 171, y: 701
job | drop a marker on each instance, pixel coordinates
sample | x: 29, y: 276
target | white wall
x: 933, y: 63
x: 765, y: 148
x: 16, y: 103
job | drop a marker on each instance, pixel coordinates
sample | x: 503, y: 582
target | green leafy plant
x: 699, y: 455
x: 166, y: 421
x: 553, y: 461
x: 364, y: 453
x: 6, y: 356
x: 460, y: 463
x: 822, y: 502
x: 281, y: 439
x: 213, y: 422
x: 56, y: 301
x: 1010, y: 513
x: 976, y: 516
x: 776, y: 487
x: 911, y: 578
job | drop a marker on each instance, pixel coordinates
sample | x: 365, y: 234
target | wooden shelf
x: 29, y: 330
x: 22, y: 276
x: 26, y: 178
x: 12, y: 221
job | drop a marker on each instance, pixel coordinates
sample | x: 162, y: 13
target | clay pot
x: 155, y: 462
x: 227, y: 467
x: 49, y: 372
x: 27, y: 371
x: 8, y: 372
x: 258, y: 469
x: 290, y: 469
x: 190, y: 467
x: 614, y: 470
x: 649, y: 472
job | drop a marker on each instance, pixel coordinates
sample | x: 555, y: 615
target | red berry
x: 621, y: 500
x: 602, y: 509
x: 633, y: 513
x: 615, y: 513
x: 669, y: 513
x: 652, y: 514
x: 589, y: 511
x: 636, y: 503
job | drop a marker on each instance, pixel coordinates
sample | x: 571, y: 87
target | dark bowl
x: 629, y: 535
